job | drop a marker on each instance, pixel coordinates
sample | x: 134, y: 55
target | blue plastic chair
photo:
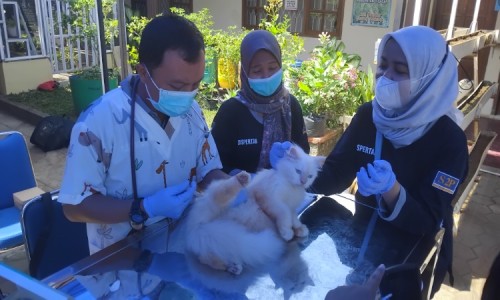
x: 52, y: 242
x: 16, y: 174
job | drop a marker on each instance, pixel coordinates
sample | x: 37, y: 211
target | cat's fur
x: 279, y: 192
x: 253, y: 233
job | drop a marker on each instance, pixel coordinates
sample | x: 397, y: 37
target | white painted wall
x: 361, y: 39
x: 225, y: 12
x: 358, y: 39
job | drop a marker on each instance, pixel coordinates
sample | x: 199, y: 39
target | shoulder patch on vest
x: 445, y: 182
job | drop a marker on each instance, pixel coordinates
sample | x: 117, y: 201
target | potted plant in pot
x: 204, y: 22
x: 12, y: 31
x: 227, y: 43
x: 86, y: 86
x: 329, y: 85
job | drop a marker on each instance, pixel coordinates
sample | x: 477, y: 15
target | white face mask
x: 387, y: 93
x: 395, y: 95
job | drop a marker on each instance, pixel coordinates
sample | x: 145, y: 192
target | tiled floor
x: 476, y: 244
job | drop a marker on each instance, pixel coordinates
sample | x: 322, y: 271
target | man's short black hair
x: 169, y: 32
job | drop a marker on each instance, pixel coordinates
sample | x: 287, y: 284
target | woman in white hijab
x: 405, y: 149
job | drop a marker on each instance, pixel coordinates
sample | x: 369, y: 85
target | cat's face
x: 299, y: 168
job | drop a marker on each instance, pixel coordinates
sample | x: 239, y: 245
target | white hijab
x: 428, y: 59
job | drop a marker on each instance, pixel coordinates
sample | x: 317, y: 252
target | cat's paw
x: 286, y: 233
x: 243, y: 178
x: 234, y: 268
x: 301, y: 231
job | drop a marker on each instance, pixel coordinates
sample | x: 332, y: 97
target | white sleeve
x: 86, y: 163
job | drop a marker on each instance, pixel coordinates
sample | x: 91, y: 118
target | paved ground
x: 476, y: 244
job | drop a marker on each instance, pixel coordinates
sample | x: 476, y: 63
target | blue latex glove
x: 366, y: 291
x: 170, y: 201
x: 278, y: 151
x: 375, y: 179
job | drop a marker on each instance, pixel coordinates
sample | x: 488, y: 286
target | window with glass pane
x: 253, y: 12
x: 324, y: 16
x: 309, y: 19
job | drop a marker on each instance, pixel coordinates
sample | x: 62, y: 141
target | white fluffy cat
x: 252, y: 234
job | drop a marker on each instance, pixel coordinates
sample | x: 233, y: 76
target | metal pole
x: 416, y: 12
x: 398, y: 14
x: 102, y: 46
x: 122, y: 38
x: 431, y: 13
x: 473, y: 25
x: 453, y: 15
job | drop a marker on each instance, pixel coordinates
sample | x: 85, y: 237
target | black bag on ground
x: 52, y: 133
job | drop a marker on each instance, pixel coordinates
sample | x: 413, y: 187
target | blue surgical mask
x: 172, y: 103
x: 266, y: 86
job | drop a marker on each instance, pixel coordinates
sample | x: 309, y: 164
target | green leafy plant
x: 79, y: 18
x: 329, y: 83
x: 291, y: 44
x: 206, y: 96
x: 56, y: 102
x: 204, y: 22
x: 228, y: 42
x: 94, y: 73
x: 11, y: 22
x: 202, y: 19
x: 135, y: 27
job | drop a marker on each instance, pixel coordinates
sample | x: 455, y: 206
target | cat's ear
x: 293, y: 153
x: 320, y: 160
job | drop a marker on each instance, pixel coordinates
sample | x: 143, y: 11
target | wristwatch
x: 137, y: 215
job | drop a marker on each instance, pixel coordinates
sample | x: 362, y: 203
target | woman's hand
x: 277, y: 152
x: 367, y: 291
x: 376, y: 179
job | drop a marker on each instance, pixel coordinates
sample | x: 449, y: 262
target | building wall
x: 14, y: 77
x: 358, y: 39
x: 225, y: 13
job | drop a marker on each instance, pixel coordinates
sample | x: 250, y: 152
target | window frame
x: 306, y: 31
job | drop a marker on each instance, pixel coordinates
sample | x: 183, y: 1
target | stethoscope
x: 204, y: 128
x: 134, y: 82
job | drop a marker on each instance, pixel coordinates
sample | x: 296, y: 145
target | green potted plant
x: 204, y: 22
x: 134, y: 29
x: 12, y: 28
x: 329, y: 85
x: 86, y: 86
x: 227, y: 44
